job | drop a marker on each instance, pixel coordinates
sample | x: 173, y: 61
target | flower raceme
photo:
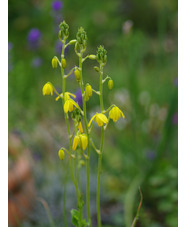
x: 115, y: 113
x: 100, y: 119
x: 80, y: 140
x: 48, y: 89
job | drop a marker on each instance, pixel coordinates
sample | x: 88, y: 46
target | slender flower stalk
x: 88, y: 138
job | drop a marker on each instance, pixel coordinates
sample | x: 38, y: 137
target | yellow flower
x: 80, y: 127
x: 48, y: 89
x: 75, y: 142
x: 115, y: 113
x: 69, y: 105
x: 61, y: 154
x: 100, y: 119
x: 80, y: 140
x: 83, y: 141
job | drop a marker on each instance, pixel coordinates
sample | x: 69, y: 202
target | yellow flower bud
x: 77, y: 74
x: 92, y: 57
x: 110, y: 84
x: 54, y: 62
x: 61, y: 154
x: 48, y: 89
x: 72, y: 42
x: 88, y: 91
x: 63, y: 63
x: 81, y: 162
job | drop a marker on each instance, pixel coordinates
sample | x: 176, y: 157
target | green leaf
x: 75, y: 217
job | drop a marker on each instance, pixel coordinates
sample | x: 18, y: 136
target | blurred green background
x: 140, y: 150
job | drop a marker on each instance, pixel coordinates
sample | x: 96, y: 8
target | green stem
x: 67, y: 122
x: 88, y: 146
x: 101, y: 150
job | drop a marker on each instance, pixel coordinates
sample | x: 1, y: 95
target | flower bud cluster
x: 101, y: 55
x: 64, y: 30
x: 81, y: 38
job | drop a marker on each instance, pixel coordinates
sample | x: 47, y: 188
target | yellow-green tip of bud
x: 88, y: 91
x: 77, y: 74
x: 61, y: 154
x: 63, y: 63
x: 92, y: 57
x: 110, y: 84
x: 54, y: 62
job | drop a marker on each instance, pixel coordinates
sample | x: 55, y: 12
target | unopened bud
x: 61, y: 154
x: 110, y: 84
x: 101, y: 55
x: 88, y: 90
x: 63, y: 63
x: 77, y: 74
x: 72, y: 42
x: 92, y: 57
x: 96, y: 69
x: 63, y: 30
x: 54, y: 62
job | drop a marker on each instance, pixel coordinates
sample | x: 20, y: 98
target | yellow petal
x: 75, y: 142
x: 84, y: 141
x: 102, y: 118
x: 74, y: 103
x: 66, y: 106
x: 80, y: 127
x: 68, y: 93
x: 91, y: 120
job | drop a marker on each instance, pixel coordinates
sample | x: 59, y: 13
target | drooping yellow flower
x: 100, y: 119
x: 75, y: 142
x: 83, y: 141
x: 61, y: 154
x: 69, y: 105
x: 115, y: 113
x: 48, y: 89
x: 80, y: 140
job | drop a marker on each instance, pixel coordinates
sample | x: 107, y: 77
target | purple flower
x: 175, y: 119
x: 37, y: 62
x: 176, y: 82
x: 10, y: 46
x: 78, y: 98
x: 150, y: 154
x: 34, y: 38
x: 10, y: 66
x: 58, y: 47
x: 57, y: 5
